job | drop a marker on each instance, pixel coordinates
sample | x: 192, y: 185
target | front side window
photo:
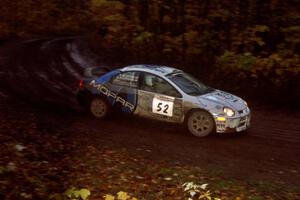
x: 153, y: 83
x: 188, y: 84
x: 128, y: 79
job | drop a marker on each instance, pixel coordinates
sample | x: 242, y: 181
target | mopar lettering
x: 129, y: 105
x: 104, y: 90
x: 111, y: 94
x: 121, y: 100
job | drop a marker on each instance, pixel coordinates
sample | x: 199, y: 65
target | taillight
x: 81, y: 84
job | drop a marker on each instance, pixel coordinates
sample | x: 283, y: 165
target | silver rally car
x: 166, y: 94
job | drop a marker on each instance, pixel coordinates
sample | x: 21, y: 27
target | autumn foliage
x: 242, y: 45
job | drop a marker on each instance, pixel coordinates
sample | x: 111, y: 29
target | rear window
x: 128, y: 79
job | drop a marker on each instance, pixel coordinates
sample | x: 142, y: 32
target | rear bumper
x: 230, y: 125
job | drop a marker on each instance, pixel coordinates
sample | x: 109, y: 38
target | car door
x: 123, y: 91
x: 158, y: 99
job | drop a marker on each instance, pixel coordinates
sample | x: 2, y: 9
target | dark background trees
x: 248, y: 45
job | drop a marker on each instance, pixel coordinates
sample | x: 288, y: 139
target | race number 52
x: 163, y: 107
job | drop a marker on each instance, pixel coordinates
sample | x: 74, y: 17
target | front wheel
x: 99, y: 108
x: 200, y: 123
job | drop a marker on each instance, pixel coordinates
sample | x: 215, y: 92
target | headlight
x: 228, y: 111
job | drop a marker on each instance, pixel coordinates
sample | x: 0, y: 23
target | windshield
x: 189, y: 85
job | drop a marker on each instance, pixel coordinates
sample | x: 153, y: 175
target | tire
x: 98, y: 107
x: 200, y: 123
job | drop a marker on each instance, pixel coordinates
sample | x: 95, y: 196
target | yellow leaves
x: 110, y: 11
x: 97, y: 3
x: 275, y: 57
x: 105, y: 4
x: 84, y: 193
x: 261, y: 28
x: 292, y: 34
x: 120, y: 196
x: 114, y: 19
x: 249, y: 66
x: 249, y: 38
x: 56, y: 197
x: 275, y: 71
x: 109, y: 197
x: 143, y: 38
x: 191, y: 36
x: 78, y: 194
x: 195, y: 43
x: 279, y: 71
x: 193, y: 190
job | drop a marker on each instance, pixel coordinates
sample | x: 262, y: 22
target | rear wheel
x: 200, y: 123
x: 99, y: 107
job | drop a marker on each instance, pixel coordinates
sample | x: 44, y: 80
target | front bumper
x: 236, y: 124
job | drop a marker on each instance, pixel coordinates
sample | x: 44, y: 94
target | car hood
x: 225, y: 99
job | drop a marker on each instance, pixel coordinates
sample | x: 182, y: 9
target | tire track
x: 44, y: 76
x: 280, y: 125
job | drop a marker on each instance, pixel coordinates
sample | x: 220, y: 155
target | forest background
x: 250, y: 47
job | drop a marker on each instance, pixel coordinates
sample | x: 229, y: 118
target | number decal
x: 163, y: 105
x: 158, y: 106
x: 166, y: 108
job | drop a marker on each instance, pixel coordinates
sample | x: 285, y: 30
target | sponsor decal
x: 163, y: 105
x: 105, y: 91
x: 226, y: 96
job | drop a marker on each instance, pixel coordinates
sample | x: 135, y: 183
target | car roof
x: 159, y: 70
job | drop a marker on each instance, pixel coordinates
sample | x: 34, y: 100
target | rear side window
x: 128, y: 79
x: 153, y: 83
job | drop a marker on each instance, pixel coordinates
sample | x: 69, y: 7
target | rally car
x: 166, y: 94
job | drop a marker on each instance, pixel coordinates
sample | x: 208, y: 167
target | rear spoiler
x: 92, y: 72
